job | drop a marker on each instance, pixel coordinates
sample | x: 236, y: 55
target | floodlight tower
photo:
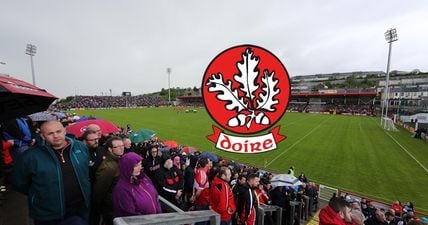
x: 390, y: 36
x: 168, y: 70
x: 31, y: 51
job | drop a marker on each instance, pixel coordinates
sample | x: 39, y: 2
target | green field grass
x: 351, y: 153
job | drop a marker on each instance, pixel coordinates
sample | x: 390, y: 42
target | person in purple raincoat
x: 134, y: 193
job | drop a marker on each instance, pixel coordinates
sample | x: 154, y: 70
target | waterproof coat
x: 106, y: 178
x: 222, y: 199
x: 37, y: 173
x: 328, y: 216
x: 134, y: 195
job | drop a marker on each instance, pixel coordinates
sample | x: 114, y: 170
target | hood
x: 127, y: 163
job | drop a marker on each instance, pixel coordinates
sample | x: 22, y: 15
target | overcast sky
x: 89, y: 47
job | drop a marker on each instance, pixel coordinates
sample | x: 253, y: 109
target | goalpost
x: 388, y: 124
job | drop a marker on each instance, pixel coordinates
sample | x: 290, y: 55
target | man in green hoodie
x: 55, y: 178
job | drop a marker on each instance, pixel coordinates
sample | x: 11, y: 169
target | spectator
x: 337, y: 212
x: 247, y: 201
x: 128, y: 145
x: 169, y: 182
x: 106, y: 178
x: 55, y: 177
x: 201, y: 185
x: 358, y: 217
x: 134, y: 193
x: 222, y: 200
x: 19, y: 131
x: 303, y: 178
x: 96, y: 153
x: 189, y: 179
x: 152, y: 163
x: 390, y: 218
x: 262, y: 196
x: 398, y: 209
x: 378, y: 219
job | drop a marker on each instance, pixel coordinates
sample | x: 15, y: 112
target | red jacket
x: 330, y: 217
x: 6, y: 152
x: 201, y: 183
x: 222, y: 199
x: 262, y: 197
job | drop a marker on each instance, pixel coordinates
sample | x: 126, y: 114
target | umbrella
x: 171, y: 144
x: 284, y: 180
x: 79, y: 128
x: 19, y: 98
x: 142, y: 135
x: 209, y: 155
x: 42, y: 116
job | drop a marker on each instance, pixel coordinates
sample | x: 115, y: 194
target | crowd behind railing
x: 126, y: 177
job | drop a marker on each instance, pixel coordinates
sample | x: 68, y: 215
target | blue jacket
x: 37, y: 173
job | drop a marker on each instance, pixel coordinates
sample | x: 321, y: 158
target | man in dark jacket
x: 96, y: 152
x: 55, y: 177
x: 106, y: 178
x: 152, y: 164
x: 247, y: 200
x: 169, y: 182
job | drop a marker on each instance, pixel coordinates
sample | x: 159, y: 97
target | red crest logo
x: 246, y: 90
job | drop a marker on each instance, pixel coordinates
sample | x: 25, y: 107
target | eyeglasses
x: 119, y: 146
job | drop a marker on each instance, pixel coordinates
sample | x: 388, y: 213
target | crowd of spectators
x: 126, y: 179
x: 111, y: 101
x: 348, y: 210
x: 349, y: 109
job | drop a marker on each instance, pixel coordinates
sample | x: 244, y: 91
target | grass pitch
x: 351, y: 153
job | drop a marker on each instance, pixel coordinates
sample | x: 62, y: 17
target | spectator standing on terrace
x: 97, y: 129
x: 378, y: 219
x: 358, y: 217
x: 169, y: 183
x: 247, y: 201
x: 55, y: 177
x: 134, y: 193
x: 336, y: 213
x: 152, y: 163
x: 106, y: 178
x: 128, y: 145
x: 19, y: 131
x: 221, y: 196
x: 303, y: 178
x: 189, y: 179
x: 96, y: 153
x: 201, y: 193
x: 398, y: 209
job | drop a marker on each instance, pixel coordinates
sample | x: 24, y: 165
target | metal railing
x: 176, y: 217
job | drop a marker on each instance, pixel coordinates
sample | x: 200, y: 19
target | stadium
x: 333, y: 136
x: 294, y: 122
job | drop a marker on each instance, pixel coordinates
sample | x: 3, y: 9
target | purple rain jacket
x: 134, y: 195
